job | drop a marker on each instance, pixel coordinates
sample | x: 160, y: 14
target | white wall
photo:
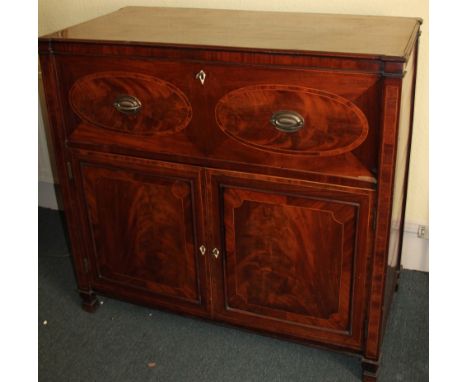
x: 58, y: 14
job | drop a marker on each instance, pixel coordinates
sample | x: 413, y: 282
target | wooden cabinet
x: 227, y: 165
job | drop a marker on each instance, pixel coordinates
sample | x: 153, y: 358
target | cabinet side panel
x: 66, y: 181
x: 390, y: 112
x: 396, y: 127
x: 400, y: 183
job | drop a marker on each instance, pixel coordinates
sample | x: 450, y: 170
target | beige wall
x: 57, y: 14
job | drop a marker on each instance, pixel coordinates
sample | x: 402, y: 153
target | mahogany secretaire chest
x: 247, y: 167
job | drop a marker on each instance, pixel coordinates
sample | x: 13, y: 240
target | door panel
x: 144, y: 228
x: 293, y: 256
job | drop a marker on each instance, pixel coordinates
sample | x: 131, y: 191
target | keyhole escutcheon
x: 201, y: 75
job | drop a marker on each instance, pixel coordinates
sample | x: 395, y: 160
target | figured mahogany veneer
x: 352, y: 97
x: 137, y: 242
x: 164, y: 108
x: 246, y: 167
x: 294, y: 251
x: 332, y: 125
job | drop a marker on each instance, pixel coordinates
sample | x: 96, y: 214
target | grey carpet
x: 118, y: 341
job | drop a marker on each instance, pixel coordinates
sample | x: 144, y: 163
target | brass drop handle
x: 202, y: 249
x: 287, y: 121
x: 127, y: 104
x: 215, y: 252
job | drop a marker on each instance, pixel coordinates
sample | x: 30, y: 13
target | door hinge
x: 69, y: 171
x: 85, y: 265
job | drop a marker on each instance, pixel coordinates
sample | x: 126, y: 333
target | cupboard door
x: 144, y: 222
x: 292, y: 257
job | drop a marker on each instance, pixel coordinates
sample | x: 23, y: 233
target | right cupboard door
x: 291, y: 256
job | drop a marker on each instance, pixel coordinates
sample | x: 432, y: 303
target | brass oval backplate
x: 287, y: 121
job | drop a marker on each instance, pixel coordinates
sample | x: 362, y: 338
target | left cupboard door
x: 143, y: 227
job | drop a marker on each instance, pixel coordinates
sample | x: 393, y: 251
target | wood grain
x: 220, y: 55
x: 291, y: 253
x: 144, y: 227
x: 164, y: 108
x: 294, y: 265
x: 67, y: 186
x: 390, y: 114
x: 332, y: 125
x: 140, y: 233
x: 354, y: 101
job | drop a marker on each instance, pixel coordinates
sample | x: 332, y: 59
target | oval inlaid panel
x: 331, y: 124
x: 163, y: 109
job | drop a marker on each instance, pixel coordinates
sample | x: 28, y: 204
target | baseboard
x: 49, y: 196
x: 415, y: 252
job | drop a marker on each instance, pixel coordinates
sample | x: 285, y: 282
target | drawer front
x: 131, y: 103
x: 122, y: 104
x: 292, y: 120
x: 292, y: 257
x: 269, y: 118
x: 317, y: 120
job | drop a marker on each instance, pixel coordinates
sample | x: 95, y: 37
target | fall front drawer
x: 297, y: 119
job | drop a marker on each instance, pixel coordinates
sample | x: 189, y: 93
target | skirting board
x: 49, y: 196
x: 415, y: 252
x: 415, y: 249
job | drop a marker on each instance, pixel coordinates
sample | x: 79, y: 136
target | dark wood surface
x: 302, y: 220
x: 332, y: 125
x: 390, y: 124
x: 293, y: 256
x: 369, y: 370
x: 350, y: 35
x: 340, y: 112
x: 67, y: 184
x: 145, y: 227
x: 164, y: 108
